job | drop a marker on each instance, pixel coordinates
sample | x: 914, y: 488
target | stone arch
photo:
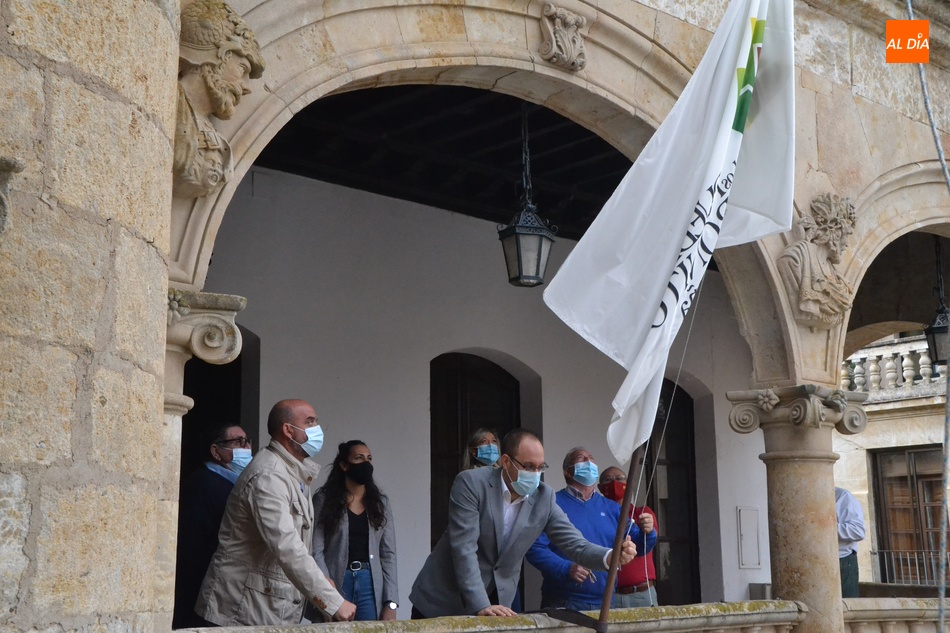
x: 629, y: 84
x: 909, y: 198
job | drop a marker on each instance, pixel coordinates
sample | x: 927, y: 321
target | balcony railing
x: 894, y: 370
x: 909, y: 567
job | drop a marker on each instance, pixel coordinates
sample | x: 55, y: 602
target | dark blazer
x: 204, y: 494
x: 469, y: 562
x: 331, y: 551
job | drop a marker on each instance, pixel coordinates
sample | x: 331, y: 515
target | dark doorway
x: 222, y: 393
x: 672, y: 496
x: 467, y: 392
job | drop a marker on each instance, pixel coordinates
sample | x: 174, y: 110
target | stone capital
x: 199, y: 324
x: 202, y: 324
x: 799, y: 408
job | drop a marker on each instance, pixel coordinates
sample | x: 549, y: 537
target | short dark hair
x: 513, y: 439
x: 280, y: 414
x: 217, y: 433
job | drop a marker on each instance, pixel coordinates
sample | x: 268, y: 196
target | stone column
x: 199, y: 324
x: 87, y: 123
x: 797, y: 423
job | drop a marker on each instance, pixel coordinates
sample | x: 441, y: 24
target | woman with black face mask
x: 354, y: 542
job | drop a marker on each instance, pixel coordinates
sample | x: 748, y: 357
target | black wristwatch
x: 392, y: 605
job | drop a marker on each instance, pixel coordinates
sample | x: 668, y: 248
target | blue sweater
x: 597, y: 520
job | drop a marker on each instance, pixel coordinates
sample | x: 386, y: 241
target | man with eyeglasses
x: 495, y: 515
x: 204, y: 494
x: 567, y: 584
x: 262, y: 572
x: 635, y: 582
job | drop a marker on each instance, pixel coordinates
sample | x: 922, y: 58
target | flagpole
x: 618, y: 540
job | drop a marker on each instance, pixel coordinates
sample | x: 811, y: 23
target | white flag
x: 631, y: 279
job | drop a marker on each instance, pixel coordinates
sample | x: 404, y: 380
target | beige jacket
x: 263, y: 567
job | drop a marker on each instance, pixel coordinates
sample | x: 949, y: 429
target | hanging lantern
x: 527, y: 239
x: 938, y: 343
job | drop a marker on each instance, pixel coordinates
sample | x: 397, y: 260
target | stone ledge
x: 720, y: 616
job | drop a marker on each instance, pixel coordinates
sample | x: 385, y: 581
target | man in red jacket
x: 635, y: 582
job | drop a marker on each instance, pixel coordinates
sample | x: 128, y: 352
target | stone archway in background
x: 630, y: 82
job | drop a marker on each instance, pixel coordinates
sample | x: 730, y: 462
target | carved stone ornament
x: 218, y: 53
x: 819, y: 295
x: 202, y: 324
x: 563, y: 44
x: 8, y: 167
x: 803, y: 406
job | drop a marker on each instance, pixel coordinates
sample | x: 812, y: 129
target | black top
x: 359, y: 536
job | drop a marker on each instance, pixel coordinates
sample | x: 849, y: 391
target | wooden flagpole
x: 618, y: 540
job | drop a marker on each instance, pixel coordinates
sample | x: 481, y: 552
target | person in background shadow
x: 204, y: 494
x: 482, y: 450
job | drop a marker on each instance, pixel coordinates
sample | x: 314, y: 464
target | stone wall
x: 87, y: 102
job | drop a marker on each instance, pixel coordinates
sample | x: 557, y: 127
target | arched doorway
x: 672, y: 496
x: 467, y: 392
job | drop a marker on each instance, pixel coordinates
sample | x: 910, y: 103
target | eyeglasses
x: 243, y: 442
x: 621, y: 478
x: 531, y: 469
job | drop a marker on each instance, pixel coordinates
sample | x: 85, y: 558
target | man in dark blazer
x: 204, y: 494
x: 495, y: 515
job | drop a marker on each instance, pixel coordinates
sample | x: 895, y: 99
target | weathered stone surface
x: 110, y: 159
x: 21, y: 119
x: 706, y: 15
x: 95, y: 550
x: 686, y: 42
x: 120, y: 42
x: 141, y: 303
x: 14, y: 524
x: 822, y: 44
x: 842, y: 147
x: 164, y: 576
x: 896, y: 86
x: 36, y: 411
x: 893, y: 139
x: 127, y: 422
x: 46, y: 255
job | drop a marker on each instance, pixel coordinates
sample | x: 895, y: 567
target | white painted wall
x: 353, y: 294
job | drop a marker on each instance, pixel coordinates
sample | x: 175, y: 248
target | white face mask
x: 240, y: 458
x: 314, y: 440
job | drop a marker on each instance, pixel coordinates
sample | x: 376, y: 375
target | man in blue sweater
x: 567, y: 584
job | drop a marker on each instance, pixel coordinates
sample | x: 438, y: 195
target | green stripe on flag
x: 746, y: 77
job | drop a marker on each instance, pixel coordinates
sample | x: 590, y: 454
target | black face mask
x: 361, y: 473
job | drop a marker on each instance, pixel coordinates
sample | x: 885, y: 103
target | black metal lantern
x: 938, y: 343
x: 527, y: 239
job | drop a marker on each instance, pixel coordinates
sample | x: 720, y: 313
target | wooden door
x: 467, y: 392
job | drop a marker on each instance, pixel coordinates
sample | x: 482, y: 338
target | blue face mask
x: 487, y: 454
x: 314, y: 440
x: 241, y: 457
x: 586, y: 473
x: 526, y: 483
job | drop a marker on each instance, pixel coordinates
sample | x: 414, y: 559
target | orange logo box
x: 908, y: 42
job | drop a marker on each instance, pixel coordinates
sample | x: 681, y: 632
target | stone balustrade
x: 894, y: 370
x: 861, y: 615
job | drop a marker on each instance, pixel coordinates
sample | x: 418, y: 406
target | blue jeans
x: 358, y: 589
x: 630, y: 600
x: 574, y: 604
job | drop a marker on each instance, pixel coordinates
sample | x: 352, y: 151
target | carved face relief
x: 226, y: 84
